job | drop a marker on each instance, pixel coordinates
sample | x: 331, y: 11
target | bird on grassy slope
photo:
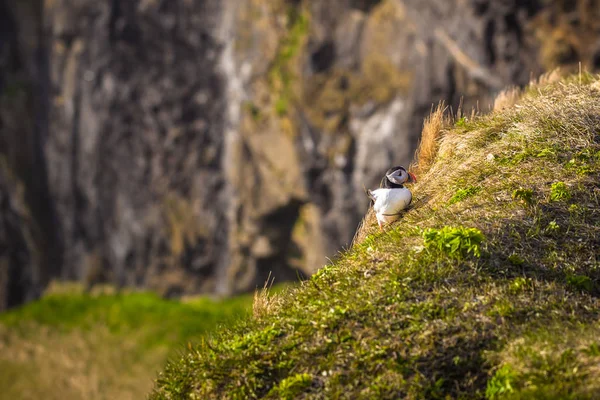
x: 391, y: 197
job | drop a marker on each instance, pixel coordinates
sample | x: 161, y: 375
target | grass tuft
x: 431, y: 134
x: 525, y: 195
x: 501, y: 383
x: 456, y: 242
x: 462, y: 194
x: 559, y: 191
x: 291, y: 387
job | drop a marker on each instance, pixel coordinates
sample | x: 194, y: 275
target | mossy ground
x: 75, y: 345
x: 491, y: 294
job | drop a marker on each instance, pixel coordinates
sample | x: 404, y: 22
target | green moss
x: 525, y: 195
x: 462, y: 194
x: 515, y: 259
x: 559, y: 191
x: 456, y: 242
x: 461, y: 122
x: 554, y: 373
x: 580, y: 282
x: 283, y: 73
x: 501, y: 383
x: 292, y: 386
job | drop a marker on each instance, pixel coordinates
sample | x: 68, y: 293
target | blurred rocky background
x: 193, y: 146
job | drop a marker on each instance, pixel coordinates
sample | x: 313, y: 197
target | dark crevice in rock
x: 364, y: 5
x: 115, y: 14
x: 324, y: 57
x: 277, y: 227
x: 490, y: 28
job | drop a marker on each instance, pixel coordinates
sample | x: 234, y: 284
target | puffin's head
x: 397, y: 176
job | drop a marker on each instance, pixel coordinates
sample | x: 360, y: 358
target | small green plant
x: 462, y: 194
x: 585, y: 170
x: 456, y: 242
x: 525, y: 195
x: 519, y: 284
x: 292, y: 386
x: 501, y: 383
x: 580, y: 282
x: 582, y: 163
x: 462, y: 121
x: 593, y: 350
x: 546, y: 153
x: 552, y: 227
x: 281, y: 106
x: 502, y: 308
x: 559, y: 191
x: 516, y: 259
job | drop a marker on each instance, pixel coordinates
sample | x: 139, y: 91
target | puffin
x: 392, y: 196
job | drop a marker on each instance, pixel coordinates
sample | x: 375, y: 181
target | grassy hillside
x: 73, y: 345
x: 487, y: 287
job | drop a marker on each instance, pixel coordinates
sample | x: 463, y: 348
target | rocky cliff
x: 191, y: 146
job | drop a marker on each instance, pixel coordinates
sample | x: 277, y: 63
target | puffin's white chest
x: 389, y: 203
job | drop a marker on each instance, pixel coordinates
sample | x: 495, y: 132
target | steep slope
x: 487, y: 287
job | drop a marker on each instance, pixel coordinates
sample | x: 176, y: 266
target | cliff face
x: 194, y: 146
x: 30, y: 237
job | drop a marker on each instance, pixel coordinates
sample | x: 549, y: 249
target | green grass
x: 462, y: 194
x: 559, y: 191
x: 70, y: 344
x: 454, y: 242
x: 493, y: 297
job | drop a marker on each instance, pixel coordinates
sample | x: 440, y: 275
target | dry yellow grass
x: 547, y: 78
x: 507, y: 98
x: 264, y: 301
x: 511, y: 95
x: 433, y: 127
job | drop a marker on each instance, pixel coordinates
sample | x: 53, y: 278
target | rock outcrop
x: 196, y: 146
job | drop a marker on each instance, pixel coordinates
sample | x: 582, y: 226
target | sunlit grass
x: 487, y: 286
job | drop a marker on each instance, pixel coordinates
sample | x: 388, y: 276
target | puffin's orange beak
x: 413, y: 178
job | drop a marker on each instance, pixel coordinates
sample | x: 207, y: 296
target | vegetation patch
x: 292, y: 386
x: 495, y: 300
x: 283, y: 72
x: 71, y: 344
x: 525, y: 195
x: 455, y: 242
x: 501, y: 383
x: 462, y: 194
x: 559, y: 191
